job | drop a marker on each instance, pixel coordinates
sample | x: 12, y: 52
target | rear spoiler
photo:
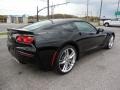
x: 19, y: 31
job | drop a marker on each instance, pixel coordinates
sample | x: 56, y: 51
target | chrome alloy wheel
x: 111, y: 42
x: 67, y: 60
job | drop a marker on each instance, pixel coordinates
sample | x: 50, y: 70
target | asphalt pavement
x: 98, y: 70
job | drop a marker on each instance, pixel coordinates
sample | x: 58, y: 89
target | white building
x: 17, y: 19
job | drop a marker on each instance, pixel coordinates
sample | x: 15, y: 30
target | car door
x: 118, y: 22
x: 115, y: 22
x: 88, y: 37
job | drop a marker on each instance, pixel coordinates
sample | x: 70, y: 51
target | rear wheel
x: 66, y: 60
x: 106, y: 24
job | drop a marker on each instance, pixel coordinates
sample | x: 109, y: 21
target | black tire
x: 111, y: 40
x: 67, y: 61
x: 106, y: 24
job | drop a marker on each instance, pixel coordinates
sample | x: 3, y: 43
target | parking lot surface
x: 99, y: 70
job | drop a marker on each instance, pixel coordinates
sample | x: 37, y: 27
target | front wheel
x: 66, y: 60
x: 110, y: 42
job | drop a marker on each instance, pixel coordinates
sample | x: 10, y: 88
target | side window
x: 114, y: 19
x: 85, y: 27
x: 68, y: 26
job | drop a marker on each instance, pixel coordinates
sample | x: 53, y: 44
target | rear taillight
x: 19, y: 39
x: 26, y: 39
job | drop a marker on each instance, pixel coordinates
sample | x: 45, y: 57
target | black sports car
x: 56, y: 43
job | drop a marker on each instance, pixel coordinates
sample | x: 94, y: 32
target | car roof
x: 48, y: 23
x: 58, y: 21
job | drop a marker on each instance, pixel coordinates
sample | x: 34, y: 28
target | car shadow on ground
x: 91, y: 53
x: 35, y: 69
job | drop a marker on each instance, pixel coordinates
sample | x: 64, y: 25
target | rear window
x: 38, y: 25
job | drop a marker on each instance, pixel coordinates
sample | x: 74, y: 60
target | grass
x: 3, y: 33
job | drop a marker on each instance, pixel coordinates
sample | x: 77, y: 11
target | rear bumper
x: 42, y: 57
x: 22, y: 55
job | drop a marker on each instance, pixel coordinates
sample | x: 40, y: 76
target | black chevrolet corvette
x: 56, y: 43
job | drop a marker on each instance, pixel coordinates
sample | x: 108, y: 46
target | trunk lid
x: 13, y: 33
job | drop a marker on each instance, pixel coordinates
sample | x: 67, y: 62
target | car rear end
x: 34, y: 43
x: 21, y: 44
x: 31, y: 47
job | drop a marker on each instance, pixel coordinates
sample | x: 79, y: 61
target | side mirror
x: 100, y: 30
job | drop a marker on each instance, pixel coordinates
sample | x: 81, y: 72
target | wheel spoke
x: 67, y: 53
x: 62, y: 62
x: 71, y: 62
x: 65, y: 67
x: 63, y: 59
x: 71, y: 55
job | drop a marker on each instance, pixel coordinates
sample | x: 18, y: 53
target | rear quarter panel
x: 53, y: 38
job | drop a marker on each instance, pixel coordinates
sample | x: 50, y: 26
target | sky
x: 75, y: 7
